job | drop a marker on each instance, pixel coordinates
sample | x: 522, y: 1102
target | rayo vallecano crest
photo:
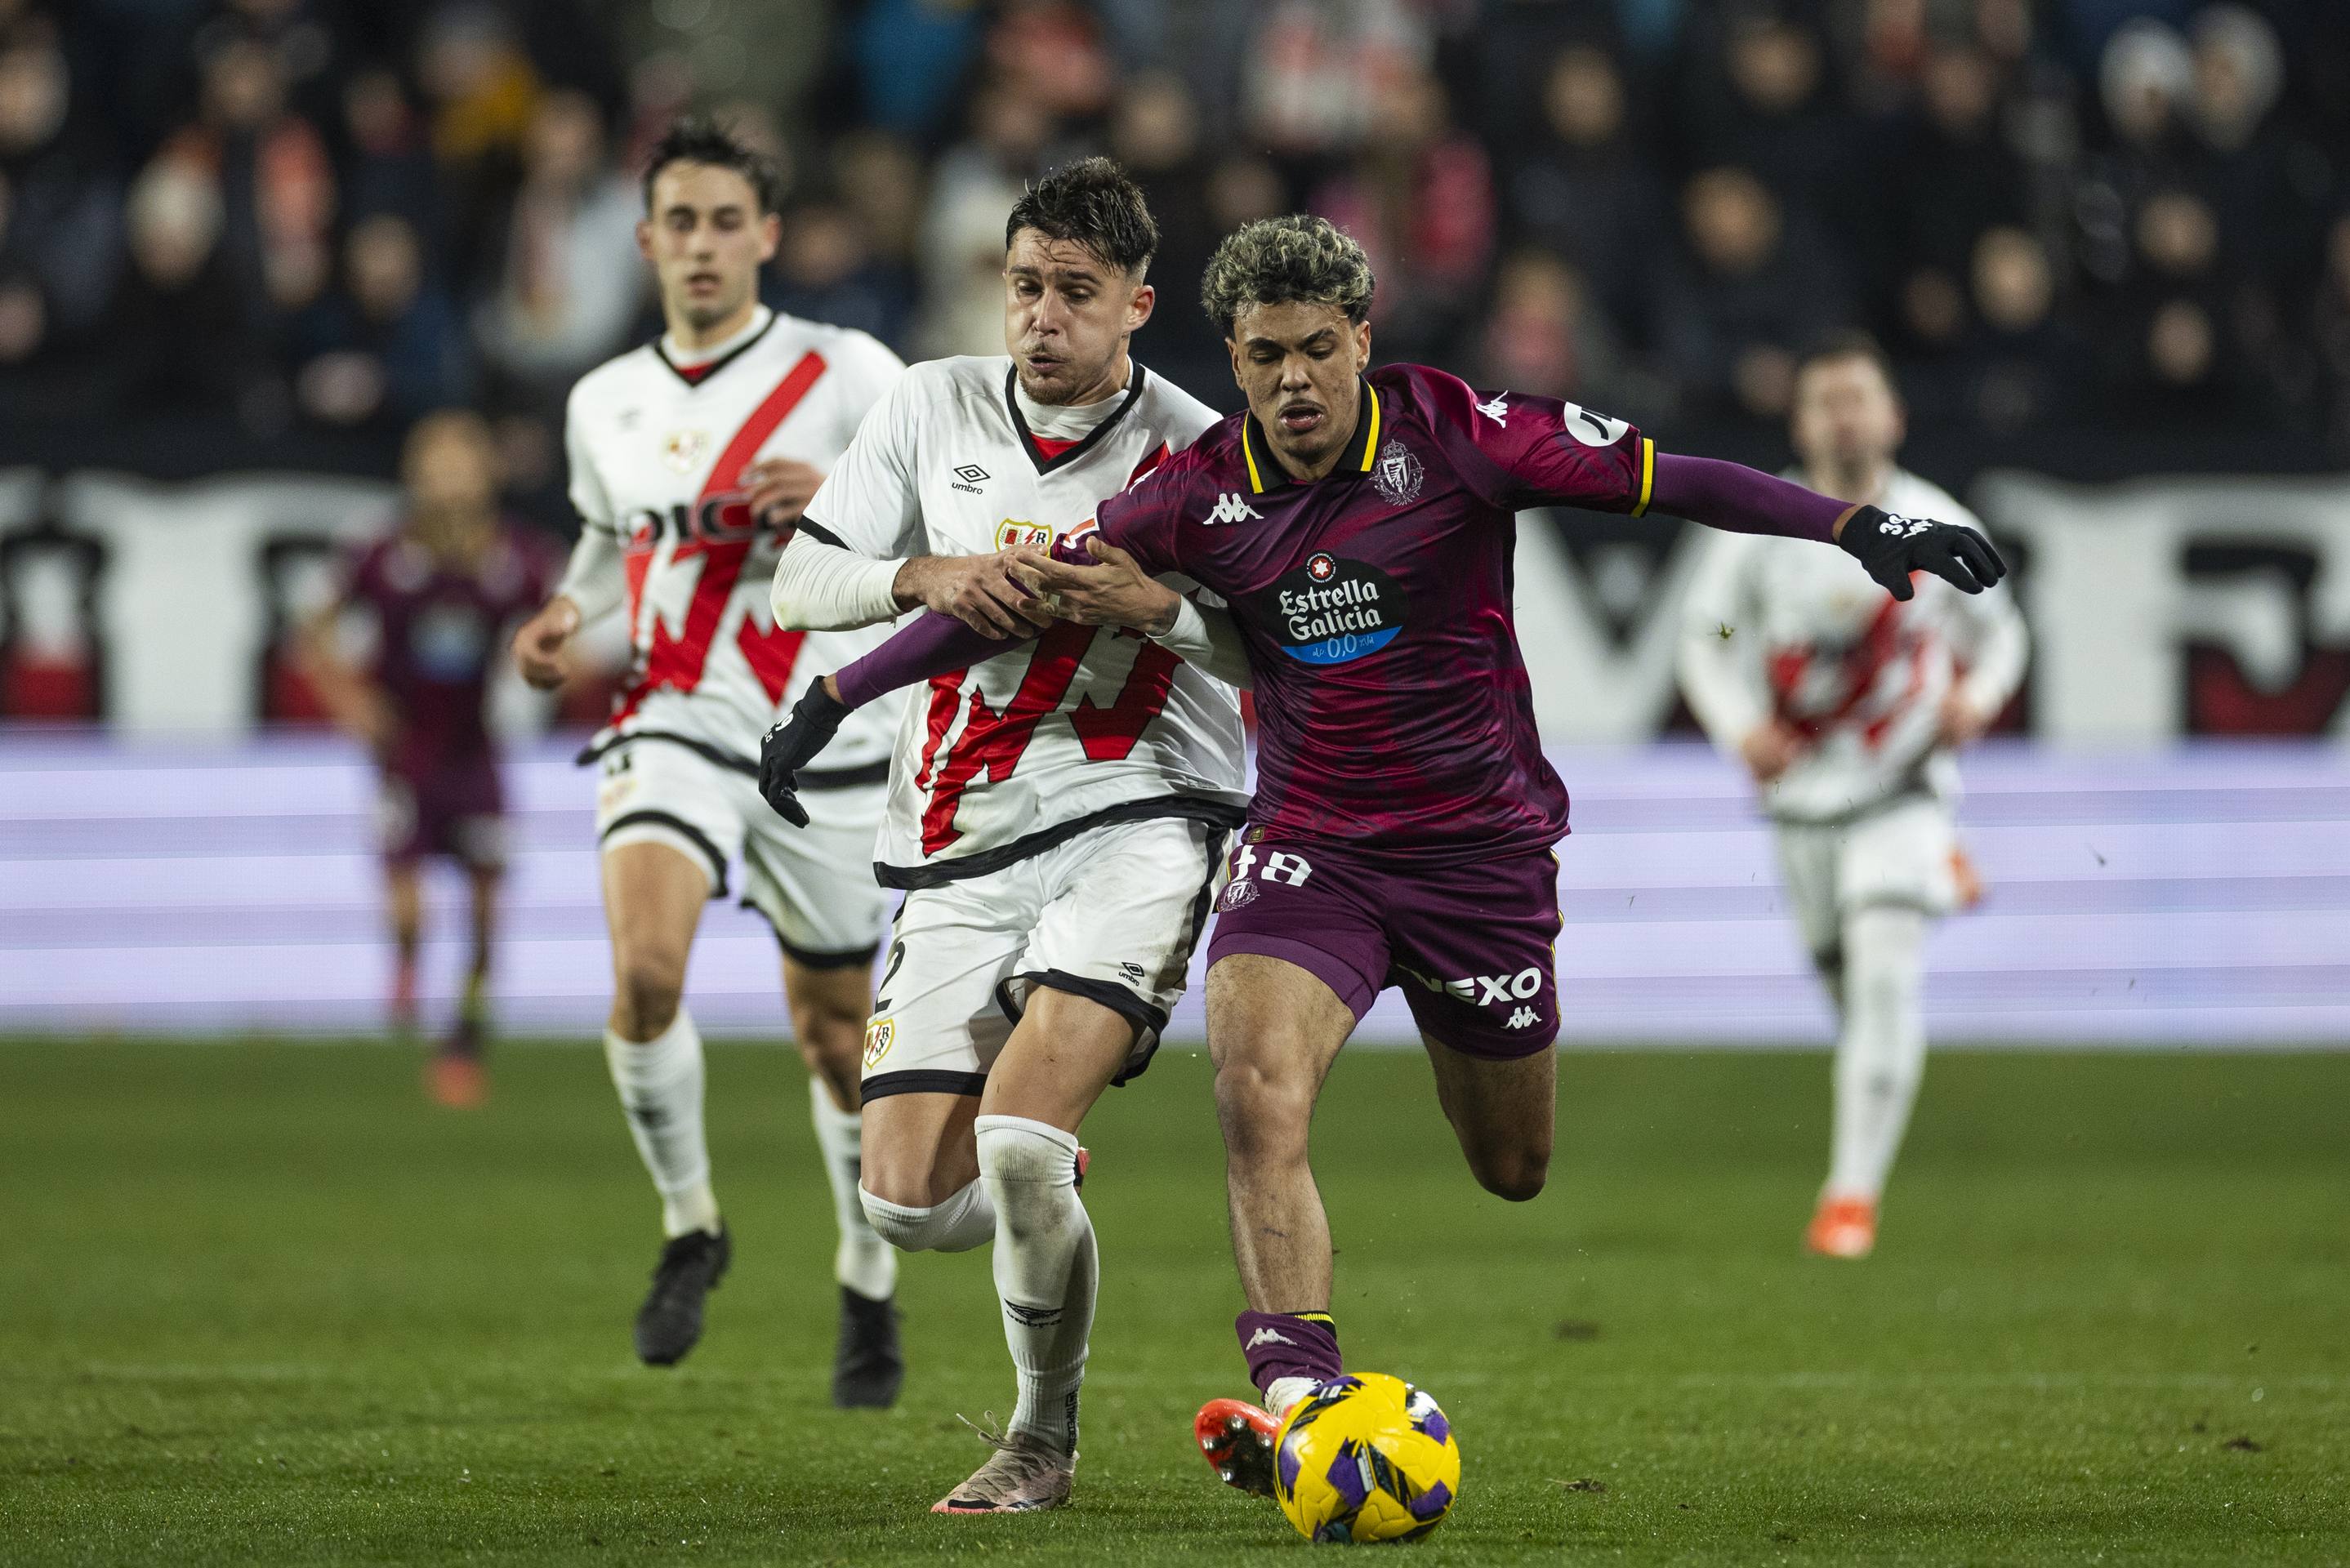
x: 1397, y: 475
x: 683, y: 449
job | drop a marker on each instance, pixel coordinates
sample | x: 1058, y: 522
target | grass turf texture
x: 265, y: 1306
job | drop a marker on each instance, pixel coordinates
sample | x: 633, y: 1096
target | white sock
x: 1285, y: 1392
x: 1046, y: 1269
x: 959, y: 1224
x: 1881, y: 1055
x: 862, y: 1261
x: 660, y: 1089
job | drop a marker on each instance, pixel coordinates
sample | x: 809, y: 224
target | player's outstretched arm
x: 1746, y: 501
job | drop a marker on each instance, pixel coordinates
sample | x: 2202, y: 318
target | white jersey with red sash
x: 657, y: 455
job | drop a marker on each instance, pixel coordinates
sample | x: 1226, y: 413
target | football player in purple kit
x: 1361, y: 527
x: 440, y: 591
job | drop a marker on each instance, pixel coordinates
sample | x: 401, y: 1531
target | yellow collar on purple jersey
x: 1362, y: 451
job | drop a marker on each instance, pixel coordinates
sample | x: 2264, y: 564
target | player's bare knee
x: 1264, y: 1111
x: 647, y: 985
x: 1514, y: 1175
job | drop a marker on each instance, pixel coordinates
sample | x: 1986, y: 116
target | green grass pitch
x: 259, y: 1304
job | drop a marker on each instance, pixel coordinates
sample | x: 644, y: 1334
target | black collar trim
x: 1093, y: 437
x: 708, y: 372
x: 1264, y: 470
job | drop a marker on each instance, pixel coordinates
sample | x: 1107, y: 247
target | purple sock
x: 1289, y: 1344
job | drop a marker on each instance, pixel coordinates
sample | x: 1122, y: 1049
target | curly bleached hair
x: 1275, y: 261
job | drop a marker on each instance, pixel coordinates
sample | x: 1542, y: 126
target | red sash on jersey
x: 677, y: 662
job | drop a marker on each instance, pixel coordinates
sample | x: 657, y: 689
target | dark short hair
x: 697, y: 139
x: 1091, y: 203
x: 1852, y: 343
x: 1276, y: 261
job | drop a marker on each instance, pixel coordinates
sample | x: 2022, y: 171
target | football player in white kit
x: 690, y: 458
x: 1057, y: 816
x: 1847, y: 706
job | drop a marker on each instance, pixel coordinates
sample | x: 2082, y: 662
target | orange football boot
x: 1842, y: 1227
x: 1236, y: 1437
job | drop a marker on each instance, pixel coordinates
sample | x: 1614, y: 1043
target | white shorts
x: 1899, y: 854
x: 814, y: 883
x: 1111, y: 915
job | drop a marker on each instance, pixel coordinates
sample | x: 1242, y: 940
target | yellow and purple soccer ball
x: 1366, y: 1457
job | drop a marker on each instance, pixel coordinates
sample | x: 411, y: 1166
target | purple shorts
x: 1470, y: 945
x: 456, y: 809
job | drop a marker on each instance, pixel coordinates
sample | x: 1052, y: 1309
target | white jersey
x: 1086, y: 725
x: 1788, y: 629
x: 656, y: 455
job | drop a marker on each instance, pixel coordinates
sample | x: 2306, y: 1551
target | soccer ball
x: 1366, y: 1457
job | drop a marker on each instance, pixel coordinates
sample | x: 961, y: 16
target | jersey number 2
x: 992, y: 743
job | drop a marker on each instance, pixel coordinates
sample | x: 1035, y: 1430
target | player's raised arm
x: 1540, y: 452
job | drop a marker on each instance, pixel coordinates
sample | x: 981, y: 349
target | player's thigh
x: 1299, y: 954
x: 919, y: 1149
x: 1123, y: 907
x: 1899, y: 854
x: 653, y: 792
x: 1475, y: 954
x: 1809, y: 854
x: 940, y: 1023
x: 1504, y: 1111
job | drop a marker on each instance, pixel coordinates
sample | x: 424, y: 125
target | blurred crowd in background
x: 278, y: 231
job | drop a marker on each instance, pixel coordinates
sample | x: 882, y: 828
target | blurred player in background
x: 1847, y: 707
x: 691, y: 459
x: 439, y: 592
x: 1057, y: 817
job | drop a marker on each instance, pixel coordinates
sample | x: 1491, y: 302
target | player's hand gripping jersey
x: 1392, y: 704
x: 657, y: 457
x: 1779, y: 629
x: 1084, y: 726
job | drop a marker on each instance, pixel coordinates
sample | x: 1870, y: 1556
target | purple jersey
x: 1392, y: 704
x: 438, y: 629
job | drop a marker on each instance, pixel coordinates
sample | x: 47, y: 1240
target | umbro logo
x: 1497, y: 410
x: 1230, y: 508
x: 969, y: 478
x: 1266, y: 1336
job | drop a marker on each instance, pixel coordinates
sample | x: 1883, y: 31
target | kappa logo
x: 1266, y: 1336
x: 969, y: 478
x: 879, y: 1035
x: 1497, y: 410
x: 1524, y: 1018
x: 1230, y: 508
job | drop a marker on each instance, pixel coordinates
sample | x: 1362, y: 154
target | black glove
x: 789, y: 747
x: 1892, y: 546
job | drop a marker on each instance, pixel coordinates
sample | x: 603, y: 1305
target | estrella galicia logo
x: 1332, y: 610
